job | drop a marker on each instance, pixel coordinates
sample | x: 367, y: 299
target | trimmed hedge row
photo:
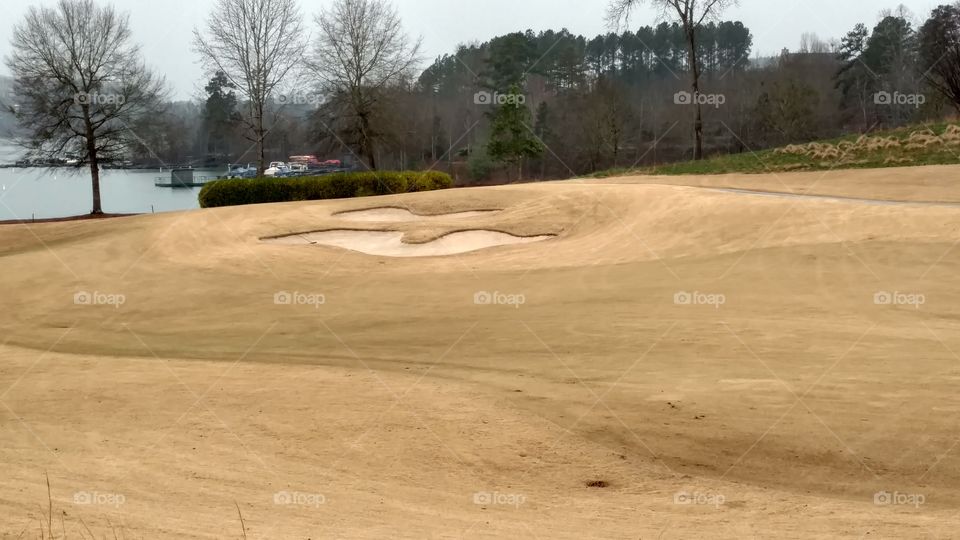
x: 313, y: 188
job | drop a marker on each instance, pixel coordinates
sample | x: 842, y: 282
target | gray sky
x: 163, y: 27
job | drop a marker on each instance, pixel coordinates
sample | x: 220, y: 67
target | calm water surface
x: 61, y: 192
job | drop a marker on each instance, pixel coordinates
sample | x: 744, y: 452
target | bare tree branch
x: 361, y: 51
x: 691, y: 14
x: 81, y: 82
x: 257, y: 44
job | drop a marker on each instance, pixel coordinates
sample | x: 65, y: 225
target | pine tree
x: 512, y: 138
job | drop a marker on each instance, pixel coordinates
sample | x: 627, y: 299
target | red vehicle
x: 310, y: 161
x: 314, y: 163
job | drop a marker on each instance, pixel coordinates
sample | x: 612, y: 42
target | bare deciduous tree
x: 256, y: 44
x: 81, y: 85
x: 362, y: 50
x: 691, y: 14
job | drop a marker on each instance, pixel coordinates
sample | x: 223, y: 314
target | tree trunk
x: 698, y: 129
x: 94, y: 161
x: 695, y: 68
x: 371, y: 155
x: 367, y: 142
x: 95, y: 179
x: 261, y: 153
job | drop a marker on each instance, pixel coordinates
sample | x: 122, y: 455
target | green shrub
x: 313, y: 188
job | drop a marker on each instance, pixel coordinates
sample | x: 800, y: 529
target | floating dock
x: 182, y: 178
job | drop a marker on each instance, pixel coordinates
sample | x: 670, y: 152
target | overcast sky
x: 163, y: 27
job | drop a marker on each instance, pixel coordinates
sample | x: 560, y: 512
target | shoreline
x: 83, y: 217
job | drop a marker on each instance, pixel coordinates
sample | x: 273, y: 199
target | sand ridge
x: 394, y: 215
x: 391, y: 244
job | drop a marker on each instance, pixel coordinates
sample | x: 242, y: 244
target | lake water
x: 62, y: 192
x: 52, y: 193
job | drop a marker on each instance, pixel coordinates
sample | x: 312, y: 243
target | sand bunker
x: 390, y: 243
x: 404, y: 215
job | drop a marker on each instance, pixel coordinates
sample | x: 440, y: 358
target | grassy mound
x: 312, y: 188
x: 929, y: 145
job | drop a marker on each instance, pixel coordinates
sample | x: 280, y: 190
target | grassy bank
x: 937, y: 144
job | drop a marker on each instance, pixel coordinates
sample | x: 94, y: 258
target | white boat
x: 240, y: 171
x: 277, y: 168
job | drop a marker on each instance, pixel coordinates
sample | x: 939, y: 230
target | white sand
x: 390, y: 243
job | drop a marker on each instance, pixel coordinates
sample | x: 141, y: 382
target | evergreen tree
x: 854, y: 79
x: 219, y: 113
x: 511, y: 137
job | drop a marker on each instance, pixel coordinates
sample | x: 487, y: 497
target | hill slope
x: 717, y: 359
